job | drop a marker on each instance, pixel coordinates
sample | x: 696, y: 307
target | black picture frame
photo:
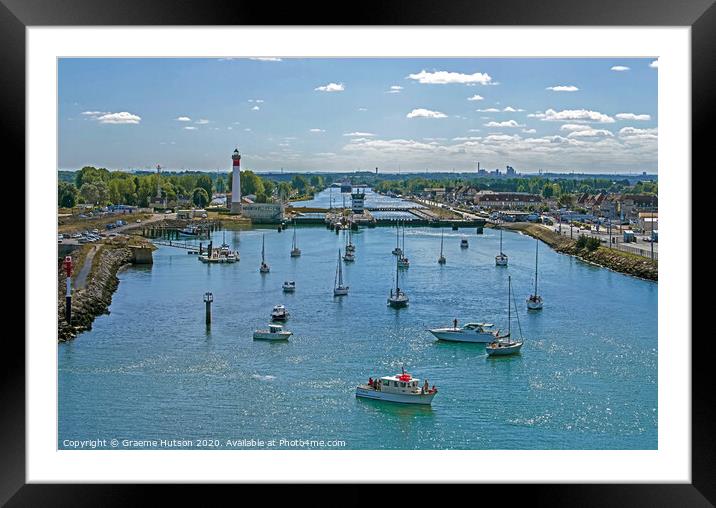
x: 16, y: 15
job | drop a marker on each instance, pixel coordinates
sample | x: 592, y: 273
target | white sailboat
x: 403, y: 261
x: 339, y: 289
x: 397, y: 297
x: 264, y: 268
x: 501, y: 258
x: 295, y: 251
x: 348, y: 257
x: 504, y: 345
x: 534, y: 302
x: 350, y: 247
x: 397, y: 251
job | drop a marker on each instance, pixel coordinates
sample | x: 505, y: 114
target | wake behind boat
x: 401, y: 388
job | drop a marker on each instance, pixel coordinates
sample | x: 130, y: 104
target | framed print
x: 290, y: 253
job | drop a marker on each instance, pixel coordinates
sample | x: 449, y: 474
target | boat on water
x: 339, y: 288
x: 274, y: 332
x: 397, y: 298
x: 501, y: 258
x: 464, y: 244
x: 219, y: 256
x: 441, y: 259
x: 504, y: 345
x: 295, y: 251
x: 289, y: 286
x: 350, y: 247
x: 264, y: 268
x: 534, y: 302
x: 403, y: 261
x: 189, y: 231
x: 279, y: 313
x: 348, y: 256
x: 397, y: 251
x: 402, y: 388
x: 469, y: 332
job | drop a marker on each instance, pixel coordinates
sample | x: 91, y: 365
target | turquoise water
x: 586, y: 378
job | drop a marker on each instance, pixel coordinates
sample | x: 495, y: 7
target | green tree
x: 269, y: 187
x: 285, y: 190
x: 220, y: 184
x: 200, y: 197
x: 67, y: 195
x: 204, y: 181
x: 299, y: 183
x: 251, y: 183
x: 89, y: 193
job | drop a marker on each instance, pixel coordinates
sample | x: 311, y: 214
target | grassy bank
x: 623, y: 262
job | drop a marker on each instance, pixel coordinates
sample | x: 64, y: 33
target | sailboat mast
x: 500, y: 239
x: 396, y: 277
x: 441, y: 243
x: 263, y: 248
x: 509, y: 315
x: 536, y: 251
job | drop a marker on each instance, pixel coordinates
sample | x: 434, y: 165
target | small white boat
x: 401, y: 388
x: 349, y: 257
x: 279, y: 313
x: 469, y: 332
x: 275, y: 332
x: 534, y: 302
x: 504, y: 345
x: 264, y: 268
x: 397, y: 297
x: 289, y: 286
x: 441, y: 259
x: 339, y: 289
x: 397, y: 251
x: 464, y: 244
x: 501, y: 258
x: 350, y: 247
x: 295, y: 251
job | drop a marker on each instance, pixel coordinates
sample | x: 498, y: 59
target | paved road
x: 81, y: 279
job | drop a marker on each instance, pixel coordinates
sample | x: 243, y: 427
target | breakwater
x: 618, y: 261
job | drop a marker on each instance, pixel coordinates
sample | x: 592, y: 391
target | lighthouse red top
x: 236, y: 157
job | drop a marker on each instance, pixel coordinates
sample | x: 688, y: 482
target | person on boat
x: 370, y: 381
x: 433, y: 390
x: 454, y: 323
x: 426, y: 386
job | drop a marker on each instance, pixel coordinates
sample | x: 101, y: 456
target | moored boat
x: 505, y: 345
x: 274, y: 332
x: 534, y: 302
x: 441, y: 259
x: 464, y: 244
x: 401, y: 388
x: 279, y: 313
x: 264, y: 268
x: 501, y: 258
x: 397, y: 297
x: 469, y: 332
x: 339, y: 289
x: 289, y: 286
x: 295, y: 251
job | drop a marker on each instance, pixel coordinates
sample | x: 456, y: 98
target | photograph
x: 292, y: 253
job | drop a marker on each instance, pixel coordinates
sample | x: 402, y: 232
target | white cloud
x: 574, y: 127
x: 620, y: 68
x: 247, y: 129
x: 578, y: 115
x: 316, y: 130
x: 529, y: 131
x: 425, y: 113
x: 445, y: 77
x: 476, y: 98
x: 359, y: 134
x: 488, y: 110
x: 255, y: 108
x: 331, y: 87
x: 590, y: 133
x: 507, y: 123
x: 93, y: 113
x: 122, y: 117
x: 395, y: 89
x: 202, y: 121
x: 362, y: 109
x: 183, y: 119
x: 190, y: 128
x: 634, y: 133
x: 654, y: 64
x: 510, y: 109
x: 256, y: 100
x: 474, y: 130
x: 563, y: 88
x: 632, y: 116
x: 265, y: 58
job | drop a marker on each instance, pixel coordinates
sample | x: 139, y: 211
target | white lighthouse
x: 236, y: 182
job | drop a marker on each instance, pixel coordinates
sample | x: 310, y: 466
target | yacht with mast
x: 397, y: 297
x: 501, y: 258
x: 295, y: 251
x: 441, y: 259
x: 534, y: 302
x: 505, y: 345
x: 403, y: 261
x: 264, y: 268
x: 348, y: 257
x: 350, y: 247
x: 339, y: 289
x: 397, y: 251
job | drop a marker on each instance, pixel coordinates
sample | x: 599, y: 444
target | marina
x: 583, y: 379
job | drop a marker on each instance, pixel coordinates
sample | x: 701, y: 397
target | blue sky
x: 584, y: 115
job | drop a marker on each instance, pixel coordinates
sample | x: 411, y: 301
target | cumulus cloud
x: 395, y: 89
x: 316, y: 130
x: 654, y: 64
x: 488, y: 110
x: 510, y: 109
x: 445, y: 78
x: 632, y: 116
x: 425, y: 113
x: 507, y: 123
x: 362, y: 109
x: 123, y: 117
x: 183, y: 119
x: 93, y: 113
x: 359, y: 134
x: 255, y: 108
x: 620, y: 68
x: 589, y: 133
x: 190, y: 128
x: 634, y: 133
x: 576, y: 115
x: 563, y: 88
x: 256, y: 100
x: 475, y: 98
x: 331, y: 87
x: 529, y: 131
x: 574, y: 127
x: 202, y: 121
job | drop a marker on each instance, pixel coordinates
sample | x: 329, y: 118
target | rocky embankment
x: 613, y: 259
x: 95, y: 297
